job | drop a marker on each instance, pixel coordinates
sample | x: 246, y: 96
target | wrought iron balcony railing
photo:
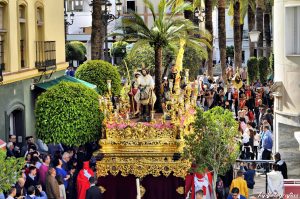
x: 45, y: 55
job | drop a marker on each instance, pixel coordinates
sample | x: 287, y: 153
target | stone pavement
x: 260, y: 184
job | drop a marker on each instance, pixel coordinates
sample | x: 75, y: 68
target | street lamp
x: 199, y: 14
x: 107, y: 17
x: 254, y: 36
x: 69, y: 19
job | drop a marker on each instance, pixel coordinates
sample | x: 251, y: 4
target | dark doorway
x: 16, y: 124
x: 131, y: 6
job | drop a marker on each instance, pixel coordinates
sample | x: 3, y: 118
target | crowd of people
x: 54, y: 171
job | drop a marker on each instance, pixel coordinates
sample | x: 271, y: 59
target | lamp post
x: 254, y: 37
x: 107, y: 17
x: 199, y: 14
x: 69, y: 18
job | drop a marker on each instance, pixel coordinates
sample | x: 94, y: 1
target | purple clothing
x: 43, y: 174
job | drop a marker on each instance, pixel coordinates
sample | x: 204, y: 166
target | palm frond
x: 137, y: 45
x: 149, y: 5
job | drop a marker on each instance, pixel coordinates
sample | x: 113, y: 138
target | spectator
x: 52, y: 187
x: 20, y: 187
x: 240, y: 183
x: 31, y: 193
x: 10, y: 150
x: 71, y: 190
x: 61, y: 172
x: 12, y: 193
x: 62, y: 189
x: 249, y: 177
x: 65, y: 161
x: 31, y: 178
x: 44, y: 170
x: 43, y: 148
x: 281, y: 165
x: 93, y: 192
x: 29, y: 142
x: 275, y: 181
x: 267, y: 145
x: 13, y: 139
x: 235, y: 194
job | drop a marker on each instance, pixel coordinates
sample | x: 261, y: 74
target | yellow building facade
x: 23, y: 23
x: 32, y: 50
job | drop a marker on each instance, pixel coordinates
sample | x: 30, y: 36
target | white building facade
x: 81, y: 28
x: 287, y: 85
x: 229, y: 37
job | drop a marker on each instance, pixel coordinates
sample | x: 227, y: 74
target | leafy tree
x: 75, y: 50
x: 263, y: 67
x: 192, y: 60
x: 117, y: 49
x: 98, y: 72
x: 167, y: 30
x: 230, y: 52
x: 212, y: 144
x: 252, y: 65
x: 10, y: 170
x: 68, y: 113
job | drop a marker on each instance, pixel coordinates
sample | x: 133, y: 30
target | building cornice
x: 29, y: 73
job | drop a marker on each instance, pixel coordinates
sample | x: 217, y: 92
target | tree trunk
x: 267, y: 28
x: 158, y: 78
x: 260, y: 27
x: 209, y: 27
x: 251, y: 24
x: 97, y: 31
x: 222, y: 36
x: 237, y: 36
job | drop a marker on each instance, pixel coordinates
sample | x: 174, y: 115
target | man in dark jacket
x: 93, y: 192
x: 281, y: 165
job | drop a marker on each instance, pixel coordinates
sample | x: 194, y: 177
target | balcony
x: 45, y: 55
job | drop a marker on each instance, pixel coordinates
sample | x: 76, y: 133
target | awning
x: 47, y: 85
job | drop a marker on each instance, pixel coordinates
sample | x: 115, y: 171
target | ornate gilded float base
x: 144, y: 148
x: 142, y: 166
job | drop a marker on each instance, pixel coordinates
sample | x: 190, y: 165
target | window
x: 131, y: 6
x: 39, y: 24
x: 74, y: 5
x: 292, y: 31
x: 22, y: 36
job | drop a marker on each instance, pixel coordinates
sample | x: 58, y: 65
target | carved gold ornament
x: 143, y: 190
x: 180, y: 190
x: 102, y: 189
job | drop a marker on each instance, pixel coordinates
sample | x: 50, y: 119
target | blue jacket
x: 267, y: 141
x: 249, y: 177
x: 241, y: 197
x: 43, y: 196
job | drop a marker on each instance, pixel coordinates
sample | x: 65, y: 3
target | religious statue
x: 145, y: 96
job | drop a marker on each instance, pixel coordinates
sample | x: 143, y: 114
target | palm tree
x: 222, y: 36
x: 167, y: 30
x: 259, y: 26
x: 97, y: 36
x: 267, y: 28
x: 251, y: 26
x: 237, y: 35
x: 209, y: 28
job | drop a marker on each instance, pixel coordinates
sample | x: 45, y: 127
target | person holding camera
x: 31, y: 193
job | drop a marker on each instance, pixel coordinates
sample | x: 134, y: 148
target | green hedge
x: 263, y: 67
x: 98, y: 72
x: 68, y: 113
x: 252, y: 65
x: 75, y: 50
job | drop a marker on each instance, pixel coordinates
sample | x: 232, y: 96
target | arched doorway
x: 15, y: 122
